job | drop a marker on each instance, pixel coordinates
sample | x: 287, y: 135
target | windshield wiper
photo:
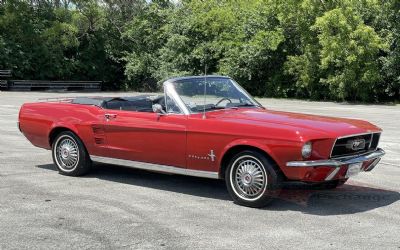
x: 243, y: 105
x: 213, y: 107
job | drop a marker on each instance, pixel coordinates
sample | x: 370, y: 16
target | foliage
x: 332, y: 50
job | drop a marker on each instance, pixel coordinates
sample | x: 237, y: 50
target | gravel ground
x: 116, y: 207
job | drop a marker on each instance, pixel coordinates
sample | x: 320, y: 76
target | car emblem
x: 212, y: 155
x: 357, y: 144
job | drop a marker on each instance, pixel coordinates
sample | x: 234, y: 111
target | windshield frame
x: 169, y: 88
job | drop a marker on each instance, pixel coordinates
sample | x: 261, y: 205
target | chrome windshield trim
x: 335, y: 163
x: 155, y: 167
x: 245, y: 93
x: 169, y: 88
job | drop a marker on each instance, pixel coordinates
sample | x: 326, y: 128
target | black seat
x: 140, y: 104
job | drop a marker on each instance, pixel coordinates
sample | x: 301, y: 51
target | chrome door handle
x: 110, y: 116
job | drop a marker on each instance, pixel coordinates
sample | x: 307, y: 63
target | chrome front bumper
x: 336, y: 164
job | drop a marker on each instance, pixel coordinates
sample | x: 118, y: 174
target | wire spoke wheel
x: 248, y: 177
x: 67, y: 153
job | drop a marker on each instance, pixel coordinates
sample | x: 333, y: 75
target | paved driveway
x: 116, y: 207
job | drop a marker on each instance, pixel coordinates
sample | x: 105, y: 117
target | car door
x: 146, y: 137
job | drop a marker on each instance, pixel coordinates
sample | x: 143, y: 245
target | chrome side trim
x: 155, y: 167
x: 336, y: 163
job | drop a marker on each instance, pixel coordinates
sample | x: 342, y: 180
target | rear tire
x: 70, y: 155
x: 252, y: 179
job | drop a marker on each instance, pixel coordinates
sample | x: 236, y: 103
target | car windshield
x: 211, y: 93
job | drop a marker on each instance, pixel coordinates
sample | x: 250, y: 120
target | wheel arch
x: 231, y: 150
x: 83, y: 165
x: 56, y: 130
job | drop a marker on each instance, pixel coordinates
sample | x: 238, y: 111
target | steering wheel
x: 223, y: 99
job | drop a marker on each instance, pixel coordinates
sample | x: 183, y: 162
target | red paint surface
x: 187, y: 140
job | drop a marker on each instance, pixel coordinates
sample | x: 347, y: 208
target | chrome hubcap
x: 67, y: 153
x: 250, y: 178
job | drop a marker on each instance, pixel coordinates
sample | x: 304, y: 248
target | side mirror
x: 157, y: 108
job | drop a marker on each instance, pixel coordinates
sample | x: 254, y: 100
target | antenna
x: 205, y: 85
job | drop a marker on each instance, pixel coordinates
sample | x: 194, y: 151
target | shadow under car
x: 350, y: 198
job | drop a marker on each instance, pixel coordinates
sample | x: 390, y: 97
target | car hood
x: 331, y: 126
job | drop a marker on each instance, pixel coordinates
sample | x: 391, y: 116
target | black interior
x: 143, y: 103
x: 137, y: 103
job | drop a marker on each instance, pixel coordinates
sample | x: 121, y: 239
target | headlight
x: 306, y: 150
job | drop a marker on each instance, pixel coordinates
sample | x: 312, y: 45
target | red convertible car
x: 204, y: 126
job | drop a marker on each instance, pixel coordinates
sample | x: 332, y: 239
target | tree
x: 330, y: 50
x: 344, y: 57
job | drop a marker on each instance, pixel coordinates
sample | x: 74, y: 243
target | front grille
x: 375, y: 140
x: 355, y: 145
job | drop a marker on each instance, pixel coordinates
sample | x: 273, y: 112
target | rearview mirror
x: 157, y: 108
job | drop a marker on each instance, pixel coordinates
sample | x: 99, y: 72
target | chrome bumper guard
x: 336, y: 162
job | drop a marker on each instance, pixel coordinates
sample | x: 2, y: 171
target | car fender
x: 64, y: 125
x: 247, y: 142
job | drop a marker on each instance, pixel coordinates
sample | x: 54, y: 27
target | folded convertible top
x: 102, y: 101
x: 96, y: 101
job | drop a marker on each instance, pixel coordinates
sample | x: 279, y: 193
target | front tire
x: 70, y: 155
x: 252, y: 179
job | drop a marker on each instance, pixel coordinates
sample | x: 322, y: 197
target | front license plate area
x: 353, y: 169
